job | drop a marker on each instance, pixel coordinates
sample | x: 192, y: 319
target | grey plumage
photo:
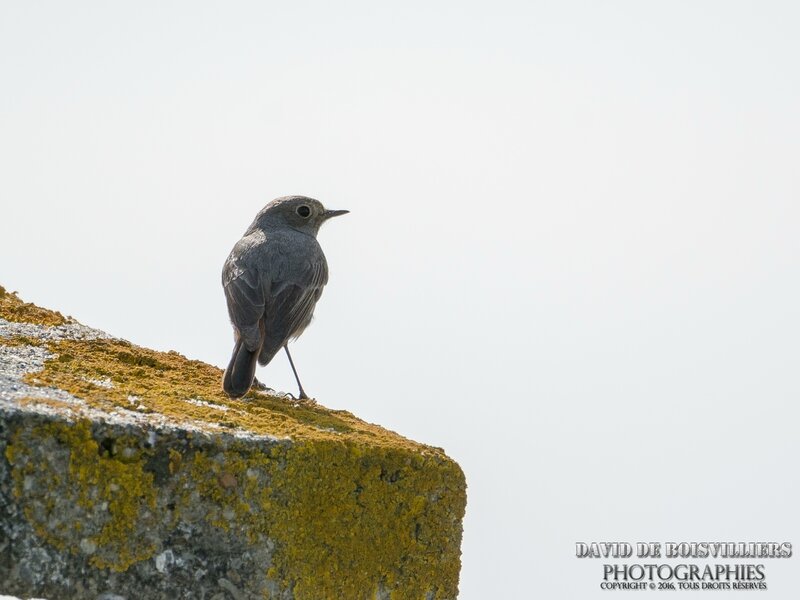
x: 272, y: 279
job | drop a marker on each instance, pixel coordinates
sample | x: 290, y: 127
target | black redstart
x: 273, y: 278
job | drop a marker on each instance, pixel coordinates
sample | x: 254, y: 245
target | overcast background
x: 572, y: 258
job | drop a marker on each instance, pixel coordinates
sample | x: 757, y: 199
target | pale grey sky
x: 572, y: 258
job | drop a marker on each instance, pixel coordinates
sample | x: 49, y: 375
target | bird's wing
x: 315, y: 276
x: 247, y: 290
x: 290, y: 307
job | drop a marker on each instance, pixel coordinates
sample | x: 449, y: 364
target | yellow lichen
x: 345, y: 517
x: 108, y: 491
x: 51, y: 402
x: 380, y: 516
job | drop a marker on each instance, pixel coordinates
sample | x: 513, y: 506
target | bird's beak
x: 334, y: 213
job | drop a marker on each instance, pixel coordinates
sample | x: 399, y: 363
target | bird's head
x: 298, y: 212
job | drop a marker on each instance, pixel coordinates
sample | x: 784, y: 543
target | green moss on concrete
x: 14, y: 309
x: 170, y: 384
x: 20, y: 340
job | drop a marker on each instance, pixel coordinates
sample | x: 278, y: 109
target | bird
x: 272, y: 280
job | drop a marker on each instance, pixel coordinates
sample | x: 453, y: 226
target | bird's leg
x: 300, y: 385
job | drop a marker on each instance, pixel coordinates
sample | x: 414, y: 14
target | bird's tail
x: 240, y: 372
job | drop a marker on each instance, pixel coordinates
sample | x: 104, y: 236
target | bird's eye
x: 303, y: 211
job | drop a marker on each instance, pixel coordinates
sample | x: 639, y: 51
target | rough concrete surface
x: 126, y: 473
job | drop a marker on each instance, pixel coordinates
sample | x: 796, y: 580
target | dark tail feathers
x: 240, y: 372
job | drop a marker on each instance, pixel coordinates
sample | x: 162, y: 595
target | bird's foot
x: 257, y: 385
x: 302, y: 399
